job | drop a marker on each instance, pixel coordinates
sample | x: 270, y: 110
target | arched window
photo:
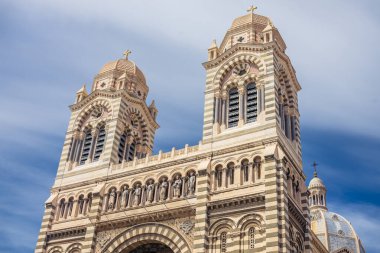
x: 233, y: 107
x: 218, y: 176
x: 100, y: 143
x: 251, y: 238
x: 70, y: 206
x: 223, y: 242
x: 86, y: 146
x: 89, y: 202
x: 131, y: 151
x: 121, y: 149
x: 251, y: 102
x: 62, y: 205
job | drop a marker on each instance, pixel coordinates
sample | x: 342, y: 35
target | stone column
x: 105, y: 203
x: 156, y: 194
x: 94, y: 134
x: 183, y: 193
x: 117, y: 202
x: 170, y: 195
x: 224, y: 177
x: 223, y: 119
x: 142, y: 196
x: 237, y: 179
x: 241, y: 107
x: 72, y: 150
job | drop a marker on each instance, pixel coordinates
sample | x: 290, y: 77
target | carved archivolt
x: 93, y: 114
x: 239, y: 60
x: 149, y: 232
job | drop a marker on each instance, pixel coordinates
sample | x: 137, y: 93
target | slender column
x: 143, y: 195
x: 155, y: 198
x: 223, y: 119
x: 94, y: 134
x: 241, y: 107
x: 74, y: 213
x: 213, y: 181
x: 79, y: 148
x: 117, y: 204
x: 130, y: 197
x: 183, y: 193
x: 224, y: 175
x: 237, y: 179
x: 105, y: 203
x: 216, y: 119
x: 72, y: 150
x: 170, y: 190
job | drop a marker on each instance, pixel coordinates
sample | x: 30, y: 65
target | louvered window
x: 120, y: 151
x: 251, y: 235
x: 86, y: 147
x: 233, y: 108
x: 131, y: 151
x: 251, y: 103
x: 223, y: 242
x: 100, y: 143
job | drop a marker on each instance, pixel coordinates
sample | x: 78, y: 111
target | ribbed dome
x: 248, y: 19
x: 123, y: 65
x: 335, y: 232
x: 316, y: 182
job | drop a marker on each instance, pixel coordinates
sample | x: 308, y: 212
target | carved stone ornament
x: 186, y: 226
x: 241, y: 69
x: 103, y: 238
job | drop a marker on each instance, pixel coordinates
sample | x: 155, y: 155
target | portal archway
x: 150, y: 248
x: 141, y: 236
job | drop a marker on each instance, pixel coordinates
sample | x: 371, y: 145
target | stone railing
x: 160, y: 157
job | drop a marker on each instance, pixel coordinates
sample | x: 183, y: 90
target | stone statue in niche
x: 112, y: 199
x: 191, y: 184
x: 124, y: 197
x: 177, y: 185
x: 163, y: 189
x: 137, y: 195
x: 150, y: 191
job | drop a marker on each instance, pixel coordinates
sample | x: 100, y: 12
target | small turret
x: 153, y: 110
x: 213, y: 51
x: 317, y: 189
x: 81, y: 94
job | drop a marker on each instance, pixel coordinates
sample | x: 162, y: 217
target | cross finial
x: 252, y: 9
x: 315, y: 168
x: 127, y: 53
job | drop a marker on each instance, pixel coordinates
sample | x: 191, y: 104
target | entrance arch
x: 150, y: 248
x: 149, y: 233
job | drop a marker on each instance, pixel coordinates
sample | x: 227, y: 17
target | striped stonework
x: 241, y: 189
x: 47, y: 219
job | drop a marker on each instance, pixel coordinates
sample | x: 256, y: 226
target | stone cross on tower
x: 315, y: 168
x: 252, y: 9
x: 127, y: 53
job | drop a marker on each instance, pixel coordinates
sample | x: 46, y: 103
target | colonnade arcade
x: 150, y: 192
x: 237, y: 173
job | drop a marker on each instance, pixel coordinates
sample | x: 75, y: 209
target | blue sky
x: 48, y: 49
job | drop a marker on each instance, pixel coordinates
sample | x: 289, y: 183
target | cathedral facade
x: 241, y: 189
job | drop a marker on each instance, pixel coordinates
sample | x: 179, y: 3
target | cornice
x: 240, y: 47
x: 115, y: 94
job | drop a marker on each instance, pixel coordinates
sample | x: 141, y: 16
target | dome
x: 335, y: 232
x: 316, y: 182
x: 123, y: 66
x: 249, y: 19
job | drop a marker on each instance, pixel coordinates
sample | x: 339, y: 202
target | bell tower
x: 113, y: 124
x: 251, y: 86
